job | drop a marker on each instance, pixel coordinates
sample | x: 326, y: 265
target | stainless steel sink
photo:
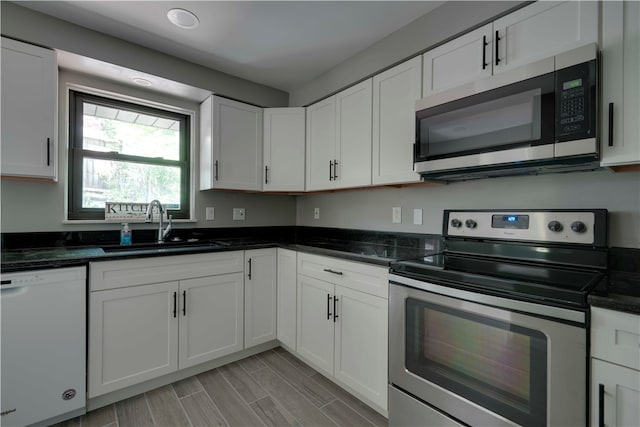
x: 152, y: 248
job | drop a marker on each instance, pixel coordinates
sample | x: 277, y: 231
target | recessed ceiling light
x: 142, y: 82
x: 183, y: 18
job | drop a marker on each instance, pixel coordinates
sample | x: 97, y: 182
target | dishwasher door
x: 43, y: 345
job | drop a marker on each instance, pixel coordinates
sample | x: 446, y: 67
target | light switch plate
x: 316, y: 213
x: 417, y: 216
x: 210, y: 214
x: 397, y: 215
x: 238, y: 214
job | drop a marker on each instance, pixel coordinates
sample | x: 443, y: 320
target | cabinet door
x: 287, y: 302
x: 259, y: 296
x: 353, y: 136
x: 237, y: 145
x: 284, y: 140
x: 621, y: 389
x: 315, y: 323
x: 211, y: 318
x: 395, y: 92
x: 462, y: 60
x: 543, y: 29
x: 620, y: 82
x: 29, y: 110
x: 321, y: 141
x: 133, y: 336
x: 361, y: 344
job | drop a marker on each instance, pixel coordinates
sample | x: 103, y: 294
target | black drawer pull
x: 328, y: 270
x: 6, y: 282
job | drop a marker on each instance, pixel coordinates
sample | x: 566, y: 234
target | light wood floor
x: 273, y: 388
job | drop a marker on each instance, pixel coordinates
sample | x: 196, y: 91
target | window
x: 125, y: 152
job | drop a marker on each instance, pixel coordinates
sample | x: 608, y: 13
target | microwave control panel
x: 575, y: 102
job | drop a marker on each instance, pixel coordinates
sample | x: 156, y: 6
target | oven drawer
x: 361, y: 277
x: 406, y: 411
x: 615, y: 337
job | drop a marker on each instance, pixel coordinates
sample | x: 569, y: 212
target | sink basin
x: 161, y: 247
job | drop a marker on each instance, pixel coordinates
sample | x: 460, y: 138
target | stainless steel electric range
x: 493, y: 331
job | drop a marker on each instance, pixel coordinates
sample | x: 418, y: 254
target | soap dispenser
x: 125, y: 234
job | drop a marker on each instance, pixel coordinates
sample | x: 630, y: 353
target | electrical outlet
x: 316, y: 213
x: 210, y: 214
x: 397, y: 215
x: 417, y: 216
x: 238, y: 214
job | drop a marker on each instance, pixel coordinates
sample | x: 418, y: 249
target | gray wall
x: 371, y: 209
x: 39, y: 206
x: 442, y: 23
x: 37, y: 28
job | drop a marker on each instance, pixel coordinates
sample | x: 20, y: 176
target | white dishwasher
x: 43, y: 345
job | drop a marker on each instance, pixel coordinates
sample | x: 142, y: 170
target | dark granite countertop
x: 369, y: 247
x: 623, y: 293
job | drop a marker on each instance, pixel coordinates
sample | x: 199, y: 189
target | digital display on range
x: 520, y: 222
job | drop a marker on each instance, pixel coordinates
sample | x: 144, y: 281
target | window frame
x: 77, y: 154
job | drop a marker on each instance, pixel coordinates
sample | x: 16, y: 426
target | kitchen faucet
x: 162, y: 233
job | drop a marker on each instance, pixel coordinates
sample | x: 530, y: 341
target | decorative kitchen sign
x: 128, y: 212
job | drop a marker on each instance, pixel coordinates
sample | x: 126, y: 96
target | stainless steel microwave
x: 541, y: 117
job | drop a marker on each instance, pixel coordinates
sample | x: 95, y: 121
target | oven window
x: 497, y: 365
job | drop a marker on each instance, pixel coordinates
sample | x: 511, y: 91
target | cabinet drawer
x: 615, y: 337
x: 362, y: 277
x: 133, y: 272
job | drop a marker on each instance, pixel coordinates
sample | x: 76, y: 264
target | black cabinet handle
x: 335, y: 311
x: 330, y: 170
x: 611, y: 124
x: 216, y: 174
x: 328, y: 270
x: 601, y: 403
x: 335, y: 170
x: 175, y: 304
x: 184, y: 303
x: 266, y: 174
x: 484, y: 52
x: 48, y: 151
x: 5, y: 282
x: 328, y: 306
x: 249, y: 274
x: 497, y: 40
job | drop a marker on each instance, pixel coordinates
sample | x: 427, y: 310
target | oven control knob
x: 456, y: 223
x: 470, y: 223
x: 578, y: 227
x: 555, y: 226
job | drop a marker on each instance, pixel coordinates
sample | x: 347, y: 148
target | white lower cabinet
x: 342, y: 331
x: 286, y: 298
x: 260, y: 296
x: 615, y: 368
x: 142, y: 327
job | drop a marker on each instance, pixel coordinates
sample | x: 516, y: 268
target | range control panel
x: 561, y: 226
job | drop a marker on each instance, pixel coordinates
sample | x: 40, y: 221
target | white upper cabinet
x: 339, y: 139
x: 543, y: 29
x: 620, y: 83
x: 394, y: 94
x: 537, y: 31
x: 29, y: 111
x: 462, y: 60
x: 284, y: 140
x: 321, y: 141
x: 352, y: 165
x: 230, y: 145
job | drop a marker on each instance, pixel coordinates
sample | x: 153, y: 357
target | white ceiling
x: 282, y: 44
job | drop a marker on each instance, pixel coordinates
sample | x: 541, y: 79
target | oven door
x: 484, y: 365
x: 512, y: 123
